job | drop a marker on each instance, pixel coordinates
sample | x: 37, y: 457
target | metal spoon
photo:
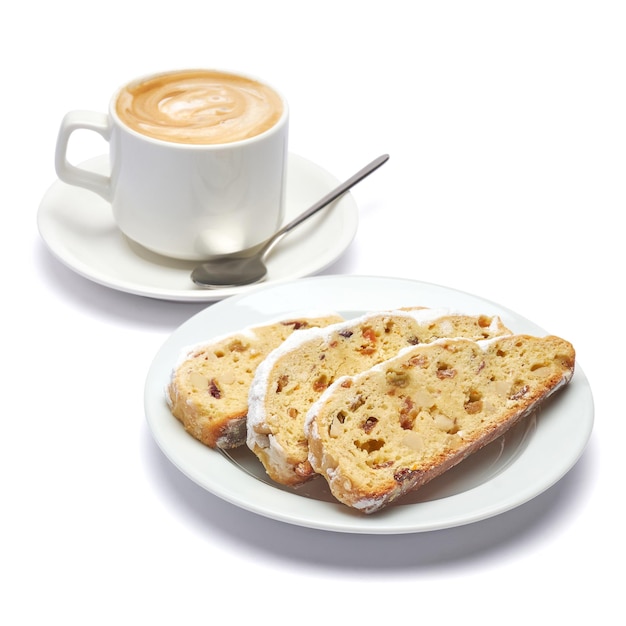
x: 247, y: 266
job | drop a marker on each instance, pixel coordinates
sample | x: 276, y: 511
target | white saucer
x: 509, y: 472
x: 78, y: 228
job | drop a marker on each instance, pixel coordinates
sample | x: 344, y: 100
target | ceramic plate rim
x: 533, y: 471
x: 344, y: 209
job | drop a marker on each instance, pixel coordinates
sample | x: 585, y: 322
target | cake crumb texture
x: 208, y: 389
x: 293, y: 377
x: 383, y: 432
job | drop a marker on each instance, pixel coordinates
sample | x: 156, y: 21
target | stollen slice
x: 208, y: 388
x: 384, y: 432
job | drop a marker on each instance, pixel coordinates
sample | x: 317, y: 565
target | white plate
x: 505, y: 474
x: 78, y: 228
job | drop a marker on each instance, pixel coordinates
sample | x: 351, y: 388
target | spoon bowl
x: 247, y: 267
x: 230, y: 272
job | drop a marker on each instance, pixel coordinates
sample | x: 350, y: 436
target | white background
x: 506, y: 126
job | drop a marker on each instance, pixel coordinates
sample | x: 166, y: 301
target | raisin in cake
x: 390, y: 430
x: 294, y: 375
x: 208, y: 390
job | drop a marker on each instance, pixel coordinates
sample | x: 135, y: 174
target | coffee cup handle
x: 71, y: 174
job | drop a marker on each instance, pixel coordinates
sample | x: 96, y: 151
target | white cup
x: 180, y: 196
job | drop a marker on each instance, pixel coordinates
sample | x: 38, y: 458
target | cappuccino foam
x: 199, y: 107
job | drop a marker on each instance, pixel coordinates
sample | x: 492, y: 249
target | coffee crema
x: 199, y: 107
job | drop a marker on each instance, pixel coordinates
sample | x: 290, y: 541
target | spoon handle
x: 333, y: 195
